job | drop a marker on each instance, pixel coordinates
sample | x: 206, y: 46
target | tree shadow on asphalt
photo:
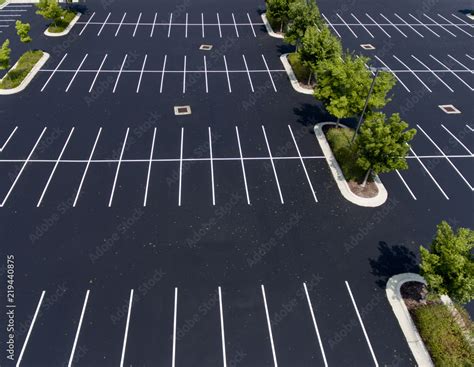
x: 391, y: 261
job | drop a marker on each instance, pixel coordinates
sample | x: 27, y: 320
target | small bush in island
x: 277, y: 12
x: 51, y: 10
x: 23, y: 31
x: 5, y: 52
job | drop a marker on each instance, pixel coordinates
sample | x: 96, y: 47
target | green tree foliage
x: 23, y: 30
x: 448, y: 266
x: 301, y: 15
x: 343, y: 86
x: 277, y: 10
x: 5, y: 52
x: 383, y: 144
x: 318, y: 45
x: 50, y: 9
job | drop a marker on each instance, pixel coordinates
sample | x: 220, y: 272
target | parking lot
x: 219, y: 238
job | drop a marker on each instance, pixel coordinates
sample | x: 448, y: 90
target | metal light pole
x: 377, y: 70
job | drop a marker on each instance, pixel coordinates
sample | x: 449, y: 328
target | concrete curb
x: 294, y: 82
x: 341, y: 182
x: 470, y: 16
x: 407, y: 325
x: 66, y: 31
x: 28, y: 78
x: 448, y: 302
x: 269, y: 28
x: 4, y: 4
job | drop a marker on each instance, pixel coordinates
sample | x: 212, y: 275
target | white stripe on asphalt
x: 8, y: 139
x: 141, y: 74
x: 103, y: 25
x: 273, y: 164
x: 414, y: 74
x: 406, y: 185
x: 175, y: 317
x: 219, y: 25
x: 269, y: 73
x: 363, y: 26
x: 75, y: 74
x: 54, y: 71
x: 275, y: 362
x: 243, y: 165
x: 76, y: 338
x: 125, y: 337
x: 350, y: 29
x: 163, y: 73
x: 169, y: 27
x: 212, y: 168
x: 459, y: 141
x: 98, y: 72
x: 251, y: 25
x: 83, y: 29
x: 184, y: 75
x: 452, y: 72
x: 118, y: 167
x: 248, y: 73
x: 439, y: 25
x: 409, y: 25
x: 120, y: 73
x: 394, y: 26
x: 235, y: 25
x: 205, y: 75
x: 395, y: 75
x: 149, y: 167
x: 138, y: 23
x: 227, y: 72
x: 153, y: 26
x: 120, y: 25
x: 424, y: 25
x: 378, y: 25
x: 221, y: 311
x: 455, y: 25
x: 432, y: 72
x: 328, y: 22
x: 181, y: 166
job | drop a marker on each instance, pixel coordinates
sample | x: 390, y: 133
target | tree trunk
x: 366, y: 177
x: 281, y: 26
x: 337, y: 122
x: 310, y: 75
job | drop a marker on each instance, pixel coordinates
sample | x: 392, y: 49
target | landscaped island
x: 21, y: 69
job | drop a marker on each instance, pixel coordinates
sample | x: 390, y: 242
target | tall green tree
x: 277, y: 10
x: 301, y: 15
x: 23, y: 30
x: 51, y: 10
x: 316, y: 46
x: 448, y: 266
x: 344, y: 83
x: 5, y: 52
x: 382, y: 144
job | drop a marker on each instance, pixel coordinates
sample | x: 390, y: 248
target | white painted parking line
x: 227, y: 73
x: 395, y: 75
x: 125, y: 337
x: 212, y: 168
x: 75, y: 74
x: 455, y: 138
x: 175, y: 317
x: 251, y: 25
x: 470, y: 128
x: 452, y: 72
x: 462, y: 20
x: 141, y: 74
x: 8, y: 139
x: 163, y: 73
x: 243, y: 165
x: 103, y: 25
x: 32, y: 324
x: 363, y: 26
x: 350, y: 29
x: 136, y: 26
x: 414, y: 74
x: 54, y: 72
x: 149, y: 167
x: 79, y: 325
x: 330, y: 24
x: 378, y: 25
x: 98, y: 72
x: 85, y: 26
x: 120, y: 73
x: 361, y: 324
x: 221, y: 311
x: 455, y: 25
x: 273, y: 165
x: 406, y: 185
x: 153, y: 26
x: 304, y: 166
x: 219, y: 25
x: 86, y: 169
x: 169, y: 27
x: 394, y: 26
x: 184, y: 75
x: 118, y: 168
x: 181, y: 167
x: 409, y: 25
x: 315, y: 325
x: 202, y: 25
x: 457, y: 61
x: 470, y: 57
x: 235, y: 26
x: 22, y: 169
x: 269, y: 324
x: 54, y: 169
x: 439, y: 25
x: 248, y: 73
x: 269, y: 73
x: 120, y: 25
x: 186, y: 27
x: 444, y: 155
x: 432, y: 72
x: 205, y: 75
x: 424, y: 25
x: 429, y: 173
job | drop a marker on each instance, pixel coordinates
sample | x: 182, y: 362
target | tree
x: 344, y: 83
x: 449, y: 267
x: 23, y: 30
x: 316, y: 46
x: 50, y: 9
x: 277, y: 10
x: 5, y: 52
x: 301, y: 15
x: 382, y: 144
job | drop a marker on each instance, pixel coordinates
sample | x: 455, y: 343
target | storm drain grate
x: 182, y: 110
x: 449, y: 109
x: 205, y: 47
x: 367, y: 46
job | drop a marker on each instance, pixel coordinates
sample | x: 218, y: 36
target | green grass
x: 62, y: 24
x: 26, y: 62
x: 301, y: 72
x: 443, y: 337
x: 339, y: 140
x: 2, y: 1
